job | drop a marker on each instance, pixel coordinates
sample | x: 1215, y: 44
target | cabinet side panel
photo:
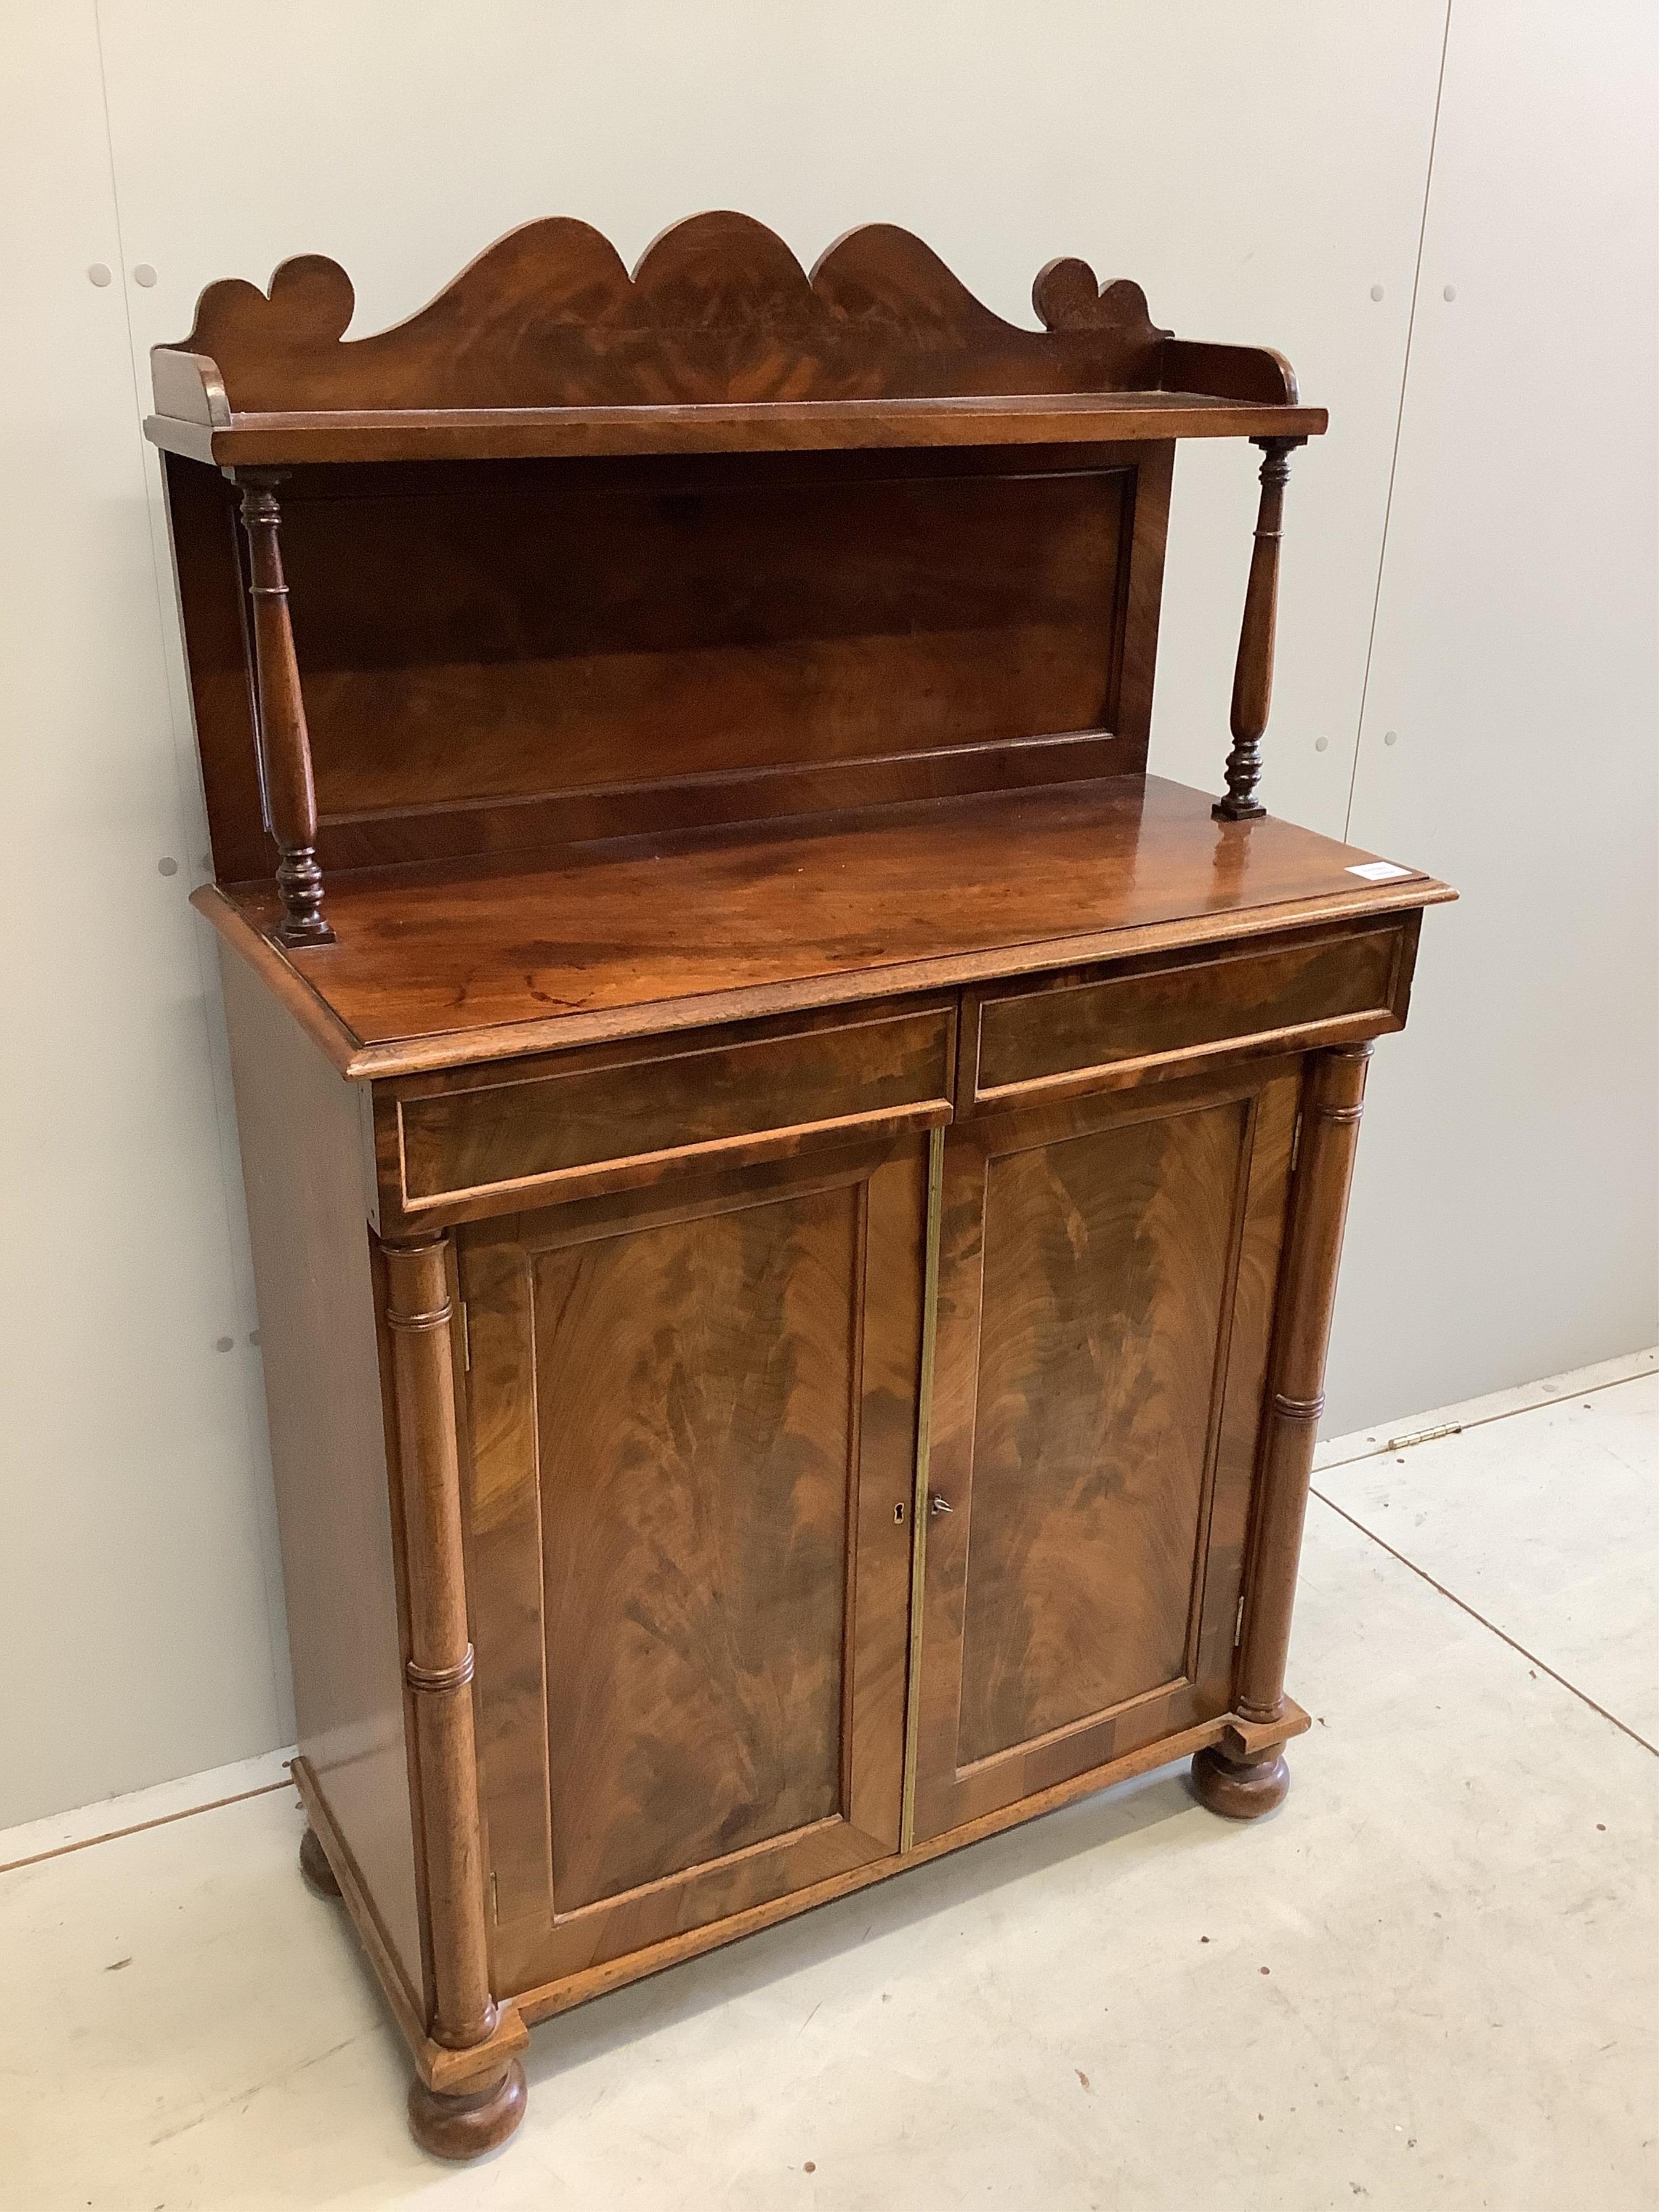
x: 302, y: 1166
x: 214, y: 606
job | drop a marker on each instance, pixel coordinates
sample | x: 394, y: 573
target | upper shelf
x: 719, y: 342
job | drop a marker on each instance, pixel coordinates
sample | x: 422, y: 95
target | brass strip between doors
x: 919, y: 1507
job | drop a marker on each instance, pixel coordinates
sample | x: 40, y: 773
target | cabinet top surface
x: 718, y: 342
x: 442, y: 963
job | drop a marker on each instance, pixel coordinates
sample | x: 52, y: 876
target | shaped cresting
x: 718, y: 328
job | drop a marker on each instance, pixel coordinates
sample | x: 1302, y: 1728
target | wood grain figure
x: 795, y: 1190
x: 1253, y: 675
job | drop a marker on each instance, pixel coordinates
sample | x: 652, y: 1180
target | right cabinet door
x: 1107, y: 1274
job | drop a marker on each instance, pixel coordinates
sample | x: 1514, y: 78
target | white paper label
x: 1378, y: 872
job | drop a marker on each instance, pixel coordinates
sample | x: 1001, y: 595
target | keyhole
x: 898, y: 1514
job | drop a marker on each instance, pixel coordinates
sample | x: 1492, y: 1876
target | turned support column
x: 285, y: 778
x: 1253, y: 673
x: 1332, y: 1101
x: 464, y: 2013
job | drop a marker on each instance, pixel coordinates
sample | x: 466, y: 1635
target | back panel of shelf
x: 499, y: 656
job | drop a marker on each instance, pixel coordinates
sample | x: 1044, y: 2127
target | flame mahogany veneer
x: 744, y: 1079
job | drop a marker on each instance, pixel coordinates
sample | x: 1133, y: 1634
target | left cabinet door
x: 691, y: 1416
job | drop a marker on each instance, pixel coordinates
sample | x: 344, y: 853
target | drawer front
x: 1095, y: 1029
x: 475, y: 1140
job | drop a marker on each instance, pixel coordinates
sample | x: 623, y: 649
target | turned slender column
x: 440, y: 1671
x: 284, y: 747
x: 1330, y: 1135
x: 1333, y: 1101
x: 1253, y: 673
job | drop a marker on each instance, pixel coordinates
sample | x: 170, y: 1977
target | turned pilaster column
x: 1330, y: 1136
x: 439, y: 1672
x: 285, y: 745
x: 1332, y: 1101
x: 1252, y: 672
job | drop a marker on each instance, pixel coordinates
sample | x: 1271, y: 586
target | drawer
x: 481, y: 1141
x: 1094, y: 1028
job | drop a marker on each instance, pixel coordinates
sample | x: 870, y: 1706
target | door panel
x: 691, y: 1424
x: 1100, y: 1310
x: 1106, y: 1279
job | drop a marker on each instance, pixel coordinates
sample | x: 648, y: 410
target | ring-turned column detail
x: 285, y: 775
x: 1334, y: 1100
x: 439, y: 1670
x: 1252, y: 672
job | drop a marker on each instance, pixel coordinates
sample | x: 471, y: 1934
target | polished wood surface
x: 695, y: 1615
x: 797, y: 1211
x: 1012, y: 420
x: 1253, y: 673
x: 500, y: 652
x: 691, y: 1424
x: 1077, y: 1033
x: 449, y: 2072
x: 631, y: 627
x: 1105, y: 1295
x: 1242, y: 1780
x: 285, y: 775
x: 503, y: 656
x: 479, y: 1141
x: 1089, y: 1450
x: 1335, y: 1100
x: 1240, y: 1789
x: 463, y: 2013
x: 210, y: 562
x: 319, y: 1877
x: 719, y: 338
x: 439, y: 1666
x: 468, y: 2123
x: 551, y: 1998
x: 301, y: 1132
x: 613, y: 939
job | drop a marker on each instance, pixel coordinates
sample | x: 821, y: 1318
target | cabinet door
x: 1106, y: 1271
x: 692, y: 1416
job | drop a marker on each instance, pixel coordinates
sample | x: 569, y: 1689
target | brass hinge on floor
x: 1238, y: 1622
x: 466, y: 1336
x: 1425, y: 1436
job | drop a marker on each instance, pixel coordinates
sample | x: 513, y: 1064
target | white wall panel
x: 1506, y: 1219
x: 136, y: 1600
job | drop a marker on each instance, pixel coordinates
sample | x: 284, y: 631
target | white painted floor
x: 1430, y: 1980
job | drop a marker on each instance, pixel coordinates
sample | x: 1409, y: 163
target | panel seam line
x: 141, y: 1827
x: 1393, y: 1446
x: 1399, y: 427
x: 1464, y: 1606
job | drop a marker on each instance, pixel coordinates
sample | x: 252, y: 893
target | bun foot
x: 1240, y: 1789
x: 467, y: 2126
x: 317, y: 1872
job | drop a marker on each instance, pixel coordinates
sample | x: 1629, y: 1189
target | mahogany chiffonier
x: 795, y: 1190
